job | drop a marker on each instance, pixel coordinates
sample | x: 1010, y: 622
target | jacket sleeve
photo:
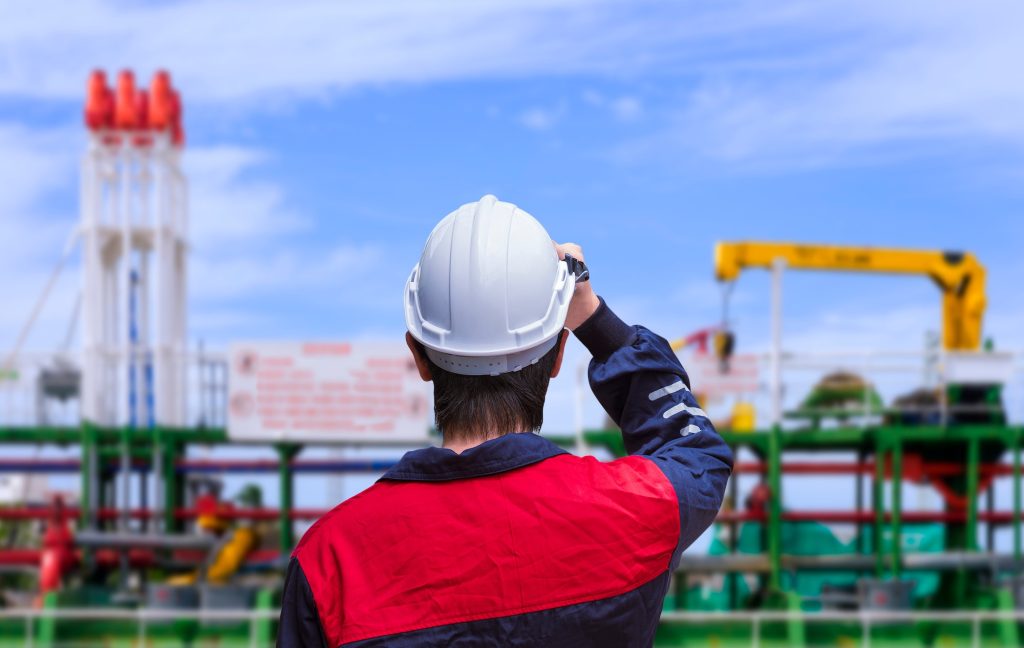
x: 299, y: 626
x: 639, y: 381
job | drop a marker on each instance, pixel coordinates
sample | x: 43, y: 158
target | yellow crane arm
x: 959, y: 276
x: 232, y: 555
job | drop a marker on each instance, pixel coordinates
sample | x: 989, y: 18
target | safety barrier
x: 867, y: 619
x: 42, y: 388
x: 145, y: 618
x: 884, y: 374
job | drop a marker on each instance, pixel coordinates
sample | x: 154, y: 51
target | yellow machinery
x: 960, y: 276
x: 232, y: 555
x: 229, y: 559
x: 232, y: 551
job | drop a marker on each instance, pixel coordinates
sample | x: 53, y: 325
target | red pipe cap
x: 142, y: 108
x: 177, y: 129
x: 124, y: 107
x: 161, y: 109
x: 99, y: 105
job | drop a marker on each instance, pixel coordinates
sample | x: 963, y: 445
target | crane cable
x: 724, y: 339
x: 69, y: 247
x: 727, y: 287
x: 69, y: 336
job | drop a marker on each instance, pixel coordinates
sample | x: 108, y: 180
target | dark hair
x: 475, y: 407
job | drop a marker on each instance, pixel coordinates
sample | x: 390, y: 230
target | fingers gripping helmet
x: 489, y: 295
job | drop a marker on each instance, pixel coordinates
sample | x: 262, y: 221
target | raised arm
x: 639, y: 381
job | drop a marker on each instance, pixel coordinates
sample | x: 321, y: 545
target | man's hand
x: 584, y: 300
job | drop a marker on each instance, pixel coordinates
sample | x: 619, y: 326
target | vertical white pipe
x: 128, y: 352
x: 182, y: 275
x: 180, y: 287
x: 776, y: 351
x: 92, y: 293
x: 143, y: 354
x: 143, y: 305
x: 125, y: 296
x: 144, y: 222
x: 110, y: 352
x: 159, y: 183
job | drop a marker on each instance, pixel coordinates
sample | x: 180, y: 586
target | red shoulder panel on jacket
x: 403, y: 556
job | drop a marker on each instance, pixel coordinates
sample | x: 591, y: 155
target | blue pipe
x: 325, y: 466
x: 133, y: 339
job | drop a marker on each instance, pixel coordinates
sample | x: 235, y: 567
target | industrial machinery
x: 136, y: 523
x: 958, y: 275
x: 927, y: 565
x: 147, y: 552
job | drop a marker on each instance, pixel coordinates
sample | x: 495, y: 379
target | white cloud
x: 918, y: 75
x: 248, y: 243
x: 226, y: 49
x: 858, y: 328
x: 627, y: 109
x: 227, y: 208
x: 540, y: 119
x: 795, y: 82
x: 798, y: 81
x: 250, y: 246
x: 293, y: 269
x: 593, y: 97
x: 31, y: 162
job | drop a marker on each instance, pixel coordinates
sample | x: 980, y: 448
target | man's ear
x: 419, y: 357
x: 562, y: 337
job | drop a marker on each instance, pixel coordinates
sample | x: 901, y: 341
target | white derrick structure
x: 134, y: 250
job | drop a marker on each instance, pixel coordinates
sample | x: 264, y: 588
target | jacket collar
x: 499, y: 455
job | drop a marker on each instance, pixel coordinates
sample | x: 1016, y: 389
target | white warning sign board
x: 326, y: 392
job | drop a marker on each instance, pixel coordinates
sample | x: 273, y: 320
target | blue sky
x: 325, y: 140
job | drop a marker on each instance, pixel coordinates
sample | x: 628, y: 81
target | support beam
x: 733, y: 496
x: 286, y: 475
x: 1017, y: 501
x: 90, y: 481
x: 170, y: 488
x: 973, y: 459
x: 775, y: 507
x: 859, y: 503
x: 878, y: 502
x: 897, y: 506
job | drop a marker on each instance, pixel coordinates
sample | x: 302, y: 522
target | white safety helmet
x: 489, y: 295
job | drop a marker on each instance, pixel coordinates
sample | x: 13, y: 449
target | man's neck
x: 460, y: 443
